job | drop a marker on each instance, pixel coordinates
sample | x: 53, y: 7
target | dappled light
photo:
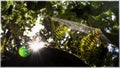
x: 59, y: 33
x: 35, y: 29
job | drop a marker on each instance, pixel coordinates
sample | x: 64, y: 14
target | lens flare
x: 36, y: 46
x: 24, y: 51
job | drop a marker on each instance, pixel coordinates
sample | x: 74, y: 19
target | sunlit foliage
x: 20, y: 16
x: 90, y: 47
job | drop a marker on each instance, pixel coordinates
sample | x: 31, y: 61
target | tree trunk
x: 45, y: 57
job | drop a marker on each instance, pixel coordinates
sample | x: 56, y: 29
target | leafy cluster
x: 89, y: 47
x: 60, y: 31
x: 20, y: 16
x: 16, y: 19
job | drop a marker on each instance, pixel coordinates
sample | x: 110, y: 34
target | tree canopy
x: 87, y: 29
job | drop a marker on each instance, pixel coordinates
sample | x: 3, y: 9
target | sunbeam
x: 36, y: 45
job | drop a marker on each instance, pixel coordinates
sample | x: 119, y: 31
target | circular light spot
x: 24, y: 51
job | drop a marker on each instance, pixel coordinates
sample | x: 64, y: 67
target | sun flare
x: 36, y: 45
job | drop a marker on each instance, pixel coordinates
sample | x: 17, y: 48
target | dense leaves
x: 17, y: 17
x: 90, y: 48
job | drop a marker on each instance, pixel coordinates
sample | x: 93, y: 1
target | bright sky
x: 110, y: 48
x: 36, y: 28
x: 1, y: 31
x: 36, y: 44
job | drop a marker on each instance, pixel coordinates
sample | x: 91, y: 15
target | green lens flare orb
x: 24, y: 51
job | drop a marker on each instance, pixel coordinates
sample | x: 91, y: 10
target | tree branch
x: 80, y: 27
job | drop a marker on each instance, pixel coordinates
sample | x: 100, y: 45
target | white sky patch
x: 98, y: 45
x: 63, y: 1
x: 66, y: 35
x: 1, y: 31
x: 50, y: 40
x: 62, y: 41
x: 62, y: 46
x: 78, y: 32
x: 55, y: 12
x: 35, y: 29
x: 114, y: 57
x: 116, y: 50
x: 54, y: 6
x: 110, y: 48
x: 107, y: 30
x: 113, y: 17
x: 25, y: 4
x: 69, y: 29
